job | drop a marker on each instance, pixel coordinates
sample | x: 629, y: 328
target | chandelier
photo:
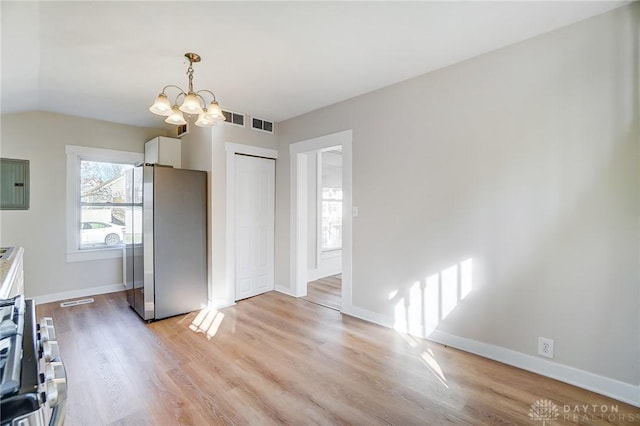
x: 192, y: 104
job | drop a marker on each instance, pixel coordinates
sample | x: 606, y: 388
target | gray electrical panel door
x: 14, y: 184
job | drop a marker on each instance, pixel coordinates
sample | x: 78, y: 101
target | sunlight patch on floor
x: 207, y: 321
x: 428, y: 359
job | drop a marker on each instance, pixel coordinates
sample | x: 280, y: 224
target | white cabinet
x: 11, y: 273
x: 163, y: 151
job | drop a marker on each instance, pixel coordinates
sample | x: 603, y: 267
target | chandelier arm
x: 204, y: 101
x: 175, y: 102
x: 172, y: 85
x: 209, y: 92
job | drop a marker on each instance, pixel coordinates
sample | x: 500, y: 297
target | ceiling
x: 274, y: 60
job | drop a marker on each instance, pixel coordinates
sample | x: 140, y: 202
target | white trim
x: 47, y: 298
x: 219, y: 304
x: 313, y: 277
x: 366, y: 315
x: 84, y: 255
x: 298, y: 211
x: 232, y: 149
x: 612, y: 388
x: 299, y: 224
x: 238, y: 148
x: 74, y: 155
x: 624, y: 392
x: 284, y: 290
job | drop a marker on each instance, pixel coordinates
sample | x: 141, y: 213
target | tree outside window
x: 106, y: 204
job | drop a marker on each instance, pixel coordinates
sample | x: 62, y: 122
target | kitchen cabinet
x: 11, y: 272
x: 163, y: 151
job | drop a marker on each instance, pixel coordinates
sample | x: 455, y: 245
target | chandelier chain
x: 190, y: 75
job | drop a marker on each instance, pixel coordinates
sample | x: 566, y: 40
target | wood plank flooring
x: 326, y: 291
x: 274, y: 359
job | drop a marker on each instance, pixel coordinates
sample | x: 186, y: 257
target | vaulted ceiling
x: 275, y: 60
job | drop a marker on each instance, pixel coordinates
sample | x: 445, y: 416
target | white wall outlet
x: 545, y: 347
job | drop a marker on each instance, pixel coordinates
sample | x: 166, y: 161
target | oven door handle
x: 57, y: 414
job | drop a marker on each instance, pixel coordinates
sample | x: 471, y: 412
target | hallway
x: 326, y: 292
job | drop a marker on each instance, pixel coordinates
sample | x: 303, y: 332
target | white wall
x: 525, y: 160
x: 40, y: 137
x: 204, y: 149
x: 196, y: 155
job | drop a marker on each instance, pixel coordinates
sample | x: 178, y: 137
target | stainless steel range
x: 33, y: 388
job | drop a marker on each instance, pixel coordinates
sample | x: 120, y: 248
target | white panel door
x: 254, y: 225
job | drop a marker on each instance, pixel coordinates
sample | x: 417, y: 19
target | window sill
x: 100, y: 254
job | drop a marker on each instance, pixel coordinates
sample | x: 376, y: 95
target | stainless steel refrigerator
x: 166, y: 256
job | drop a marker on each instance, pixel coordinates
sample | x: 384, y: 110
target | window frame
x: 75, y: 154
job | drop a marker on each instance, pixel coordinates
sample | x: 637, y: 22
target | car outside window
x: 105, y: 203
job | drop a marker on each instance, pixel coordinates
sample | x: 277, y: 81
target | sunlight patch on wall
x: 449, y: 290
x: 208, y: 322
x: 426, y: 303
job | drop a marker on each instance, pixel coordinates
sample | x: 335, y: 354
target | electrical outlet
x: 545, y: 347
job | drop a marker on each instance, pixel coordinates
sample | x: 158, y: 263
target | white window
x: 331, y: 201
x: 99, y: 202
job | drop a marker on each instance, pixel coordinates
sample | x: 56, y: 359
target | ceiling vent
x: 234, y: 118
x: 262, y: 125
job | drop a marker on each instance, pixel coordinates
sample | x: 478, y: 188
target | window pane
x: 331, y: 225
x: 103, y: 182
x: 108, y: 226
x: 133, y: 231
x: 331, y: 238
x: 332, y: 193
x: 102, y: 226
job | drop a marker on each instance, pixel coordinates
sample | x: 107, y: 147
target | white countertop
x: 8, y: 271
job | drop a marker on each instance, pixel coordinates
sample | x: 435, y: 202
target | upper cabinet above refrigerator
x: 163, y: 151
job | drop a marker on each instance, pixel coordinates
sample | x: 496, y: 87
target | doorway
x: 324, y: 234
x: 326, y: 291
x: 300, y: 157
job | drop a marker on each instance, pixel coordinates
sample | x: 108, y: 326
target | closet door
x: 254, y: 225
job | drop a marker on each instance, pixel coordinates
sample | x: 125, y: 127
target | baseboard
x: 366, y: 315
x: 220, y: 303
x: 92, y: 291
x: 612, y: 388
x: 285, y: 290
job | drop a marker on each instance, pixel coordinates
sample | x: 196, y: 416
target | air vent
x: 234, y: 118
x: 263, y: 125
x: 76, y: 302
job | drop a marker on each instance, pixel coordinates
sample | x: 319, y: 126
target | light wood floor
x: 274, y: 359
x: 326, y: 292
